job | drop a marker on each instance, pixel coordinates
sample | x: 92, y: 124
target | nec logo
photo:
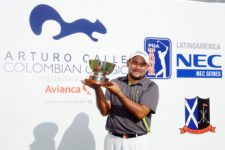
x: 198, y: 60
x: 199, y: 66
x: 42, y: 13
x: 159, y: 50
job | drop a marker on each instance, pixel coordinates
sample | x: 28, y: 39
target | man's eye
x: 142, y: 64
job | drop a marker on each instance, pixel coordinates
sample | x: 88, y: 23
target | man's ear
x: 147, y: 66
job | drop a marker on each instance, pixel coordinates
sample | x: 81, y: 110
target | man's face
x: 137, y: 67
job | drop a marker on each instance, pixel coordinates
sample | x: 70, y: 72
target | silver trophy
x: 100, y: 70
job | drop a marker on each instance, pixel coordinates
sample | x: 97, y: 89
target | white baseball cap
x: 139, y: 53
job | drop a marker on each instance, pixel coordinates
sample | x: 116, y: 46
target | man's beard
x: 136, y: 78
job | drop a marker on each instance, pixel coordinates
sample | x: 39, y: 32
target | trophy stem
x: 99, y: 77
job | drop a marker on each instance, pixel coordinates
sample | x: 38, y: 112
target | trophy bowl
x: 100, y: 70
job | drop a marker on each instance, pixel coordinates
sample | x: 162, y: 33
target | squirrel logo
x: 42, y: 13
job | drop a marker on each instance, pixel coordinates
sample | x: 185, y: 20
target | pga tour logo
x: 159, y: 50
x: 197, y: 116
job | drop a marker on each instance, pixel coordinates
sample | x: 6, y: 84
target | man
x: 129, y: 103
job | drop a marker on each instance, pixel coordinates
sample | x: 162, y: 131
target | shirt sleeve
x: 107, y: 94
x: 150, y: 97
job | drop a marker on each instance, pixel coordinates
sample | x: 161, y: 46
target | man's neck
x: 132, y: 80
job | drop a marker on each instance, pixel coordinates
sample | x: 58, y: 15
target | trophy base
x: 101, y: 83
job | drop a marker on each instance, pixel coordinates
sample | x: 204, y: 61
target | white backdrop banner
x: 44, y: 53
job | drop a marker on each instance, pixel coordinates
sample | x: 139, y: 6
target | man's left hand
x: 114, y: 88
